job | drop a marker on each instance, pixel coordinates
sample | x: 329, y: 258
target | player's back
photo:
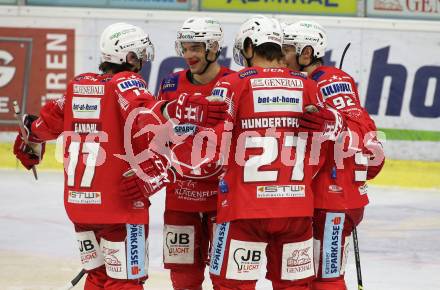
x: 268, y: 174
x: 342, y: 187
x: 94, y: 134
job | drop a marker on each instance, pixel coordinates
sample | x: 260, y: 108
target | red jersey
x: 268, y: 172
x: 342, y: 188
x: 91, y: 118
x: 190, y: 195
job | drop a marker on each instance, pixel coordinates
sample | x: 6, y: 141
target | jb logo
x: 177, y: 243
x: 6, y: 72
x: 247, y: 260
x: 85, y: 245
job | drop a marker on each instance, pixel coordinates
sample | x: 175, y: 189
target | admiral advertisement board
x: 318, y: 7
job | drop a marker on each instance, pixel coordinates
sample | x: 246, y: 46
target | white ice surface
x: 399, y: 238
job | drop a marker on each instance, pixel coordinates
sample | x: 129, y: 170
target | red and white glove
x: 31, y: 154
x: 153, y: 177
x: 376, y: 158
x: 328, y: 121
x: 197, y: 110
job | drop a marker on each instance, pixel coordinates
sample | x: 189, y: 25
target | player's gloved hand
x: 31, y: 154
x: 152, y: 176
x: 376, y: 158
x: 328, y: 121
x: 196, y: 109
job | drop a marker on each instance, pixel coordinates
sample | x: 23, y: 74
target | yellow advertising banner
x: 320, y: 7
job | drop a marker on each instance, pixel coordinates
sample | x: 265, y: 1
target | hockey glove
x: 32, y: 153
x: 376, y: 158
x: 152, y: 177
x: 197, y: 110
x: 328, y: 121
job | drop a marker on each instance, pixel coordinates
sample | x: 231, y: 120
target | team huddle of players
x: 268, y: 161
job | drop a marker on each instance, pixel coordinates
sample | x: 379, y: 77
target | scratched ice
x: 399, y: 239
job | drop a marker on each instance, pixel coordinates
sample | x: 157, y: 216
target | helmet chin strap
x: 137, y: 69
x: 134, y: 68
x: 208, y: 63
x: 249, y: 60
x: 302, y: 67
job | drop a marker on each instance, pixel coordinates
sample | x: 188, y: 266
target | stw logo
x: 6, y: 72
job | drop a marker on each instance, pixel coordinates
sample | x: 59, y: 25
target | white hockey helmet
x: 259, y: 29
x: 306, y: 33
x: 118, y: 39
x: 200, y: 29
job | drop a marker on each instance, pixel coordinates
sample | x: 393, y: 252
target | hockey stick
x: 357, y: 257
x: 19, y: 118
x: 75, y: 280
x: 343, y: 55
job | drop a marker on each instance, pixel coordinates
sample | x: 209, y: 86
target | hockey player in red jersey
x: 339, y: 188
x: 191, y: 204
x: 106, y: 189
x: 265, y: 203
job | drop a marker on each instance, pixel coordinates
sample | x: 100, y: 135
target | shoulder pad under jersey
x: 317, y: 75
x: 170, y: 82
